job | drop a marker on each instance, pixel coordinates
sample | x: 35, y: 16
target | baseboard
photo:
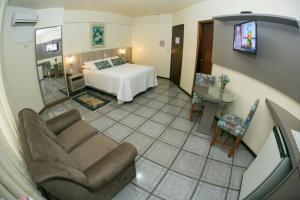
x: 249, y: 149
x: 163, y: 77
x: 185, y: 91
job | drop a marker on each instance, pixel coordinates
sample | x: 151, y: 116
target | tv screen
x: 52, y: 47
x: 245, y: 38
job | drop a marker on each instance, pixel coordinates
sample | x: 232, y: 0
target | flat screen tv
x: 52, y: 47
x: 245, y: 37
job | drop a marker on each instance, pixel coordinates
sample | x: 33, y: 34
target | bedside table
x: 75, y: 82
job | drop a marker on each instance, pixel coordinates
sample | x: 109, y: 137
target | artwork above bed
x: 97, y: 35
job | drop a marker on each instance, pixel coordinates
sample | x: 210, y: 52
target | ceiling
x: 126, y: 7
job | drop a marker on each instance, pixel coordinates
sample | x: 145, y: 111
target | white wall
x: 19, y: 65
x: 50, y: 17
x: 76, y: 30
x: 246, y: 88
x: 147, y: 32
x: 46, y: 35
x: 20, y: 73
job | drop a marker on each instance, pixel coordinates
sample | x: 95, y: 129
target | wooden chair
x: 201, y: 80
x: 234, y: 125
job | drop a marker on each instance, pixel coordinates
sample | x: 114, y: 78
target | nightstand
x: 75, y: 82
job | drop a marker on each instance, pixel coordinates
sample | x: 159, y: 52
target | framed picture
x: 97, y: 32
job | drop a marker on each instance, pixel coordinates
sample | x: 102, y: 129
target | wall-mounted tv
x: 52, y: 47
x: 245, y: 37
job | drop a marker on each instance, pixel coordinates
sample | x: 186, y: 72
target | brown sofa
x: 71, y: 160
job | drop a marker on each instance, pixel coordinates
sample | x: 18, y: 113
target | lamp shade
x: 122, y: 51
x: 70, y: 59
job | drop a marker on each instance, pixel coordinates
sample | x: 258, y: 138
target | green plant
x: 224, y: 79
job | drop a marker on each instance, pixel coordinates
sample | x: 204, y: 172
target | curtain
x: 15, y: 181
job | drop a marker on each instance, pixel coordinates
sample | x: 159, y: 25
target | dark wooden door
x: 176, y: 53
x: 206, y: 34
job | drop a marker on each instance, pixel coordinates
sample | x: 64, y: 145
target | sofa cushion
x: 76, y: 134
x: 62, y: 121
x: 92, y: 150
x: 33, y: 121
x: 107, y: 168
x: 43, y: 171
x: 41, y: 147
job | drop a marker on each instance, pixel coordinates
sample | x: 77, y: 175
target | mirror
x: 50, y: 67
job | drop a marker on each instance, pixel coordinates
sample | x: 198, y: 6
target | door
x: 176, y: 53
x: 205, y: 47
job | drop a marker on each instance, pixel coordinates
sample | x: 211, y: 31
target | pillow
x: 85, y: 67
x: 103, y: 64
x: 117, y: 61
x: 109, y: 59
x: 91, y: 64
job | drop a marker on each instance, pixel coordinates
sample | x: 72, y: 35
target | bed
x: 124, y: 81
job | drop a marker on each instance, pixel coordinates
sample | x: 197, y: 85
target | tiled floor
x: 175, y: 161
x: 51, y: 89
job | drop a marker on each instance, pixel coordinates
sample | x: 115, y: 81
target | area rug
x: 91, y: 100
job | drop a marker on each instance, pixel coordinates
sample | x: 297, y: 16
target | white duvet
x: 125, y: 81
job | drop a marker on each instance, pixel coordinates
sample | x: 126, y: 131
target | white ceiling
x: 125, y: 7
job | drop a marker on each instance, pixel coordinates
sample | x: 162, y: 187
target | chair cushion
x: 92, y: 150
x: 107, y: 168
x: 76, y: 134
x: 232, y: 124
x: 196, y: 99
x: 205, y: 79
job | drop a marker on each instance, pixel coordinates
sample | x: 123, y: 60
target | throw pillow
x: 117, y: 61
x: 102, y: 65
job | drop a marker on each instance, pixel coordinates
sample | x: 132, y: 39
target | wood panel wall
x: 80, y: 58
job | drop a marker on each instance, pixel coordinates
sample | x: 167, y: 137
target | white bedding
x: 125, y: 81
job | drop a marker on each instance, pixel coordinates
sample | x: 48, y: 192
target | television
x: 52, y: 47
x: 245, y: 37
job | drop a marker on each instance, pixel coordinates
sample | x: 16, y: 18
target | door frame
x: 199, y: 35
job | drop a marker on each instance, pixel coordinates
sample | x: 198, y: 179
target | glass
x: 212, y: 93
x: 49, y: 60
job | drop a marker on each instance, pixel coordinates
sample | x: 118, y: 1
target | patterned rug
x: 91, y: 100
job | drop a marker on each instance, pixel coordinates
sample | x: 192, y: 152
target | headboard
x: 80, y: 58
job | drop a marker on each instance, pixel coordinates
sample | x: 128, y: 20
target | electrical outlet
x: 104, y: 55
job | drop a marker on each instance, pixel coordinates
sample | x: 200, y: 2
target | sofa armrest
x: 42, y: 171
x: 112, y: 164
x: 59, y: 123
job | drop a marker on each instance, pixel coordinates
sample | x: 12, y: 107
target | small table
x: 211, y: 99
x: 75, y: 82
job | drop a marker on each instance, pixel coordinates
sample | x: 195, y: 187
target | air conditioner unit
x: 24, y: 19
